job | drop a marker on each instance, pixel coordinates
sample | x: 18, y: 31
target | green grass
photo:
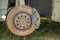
x: 49, y: 30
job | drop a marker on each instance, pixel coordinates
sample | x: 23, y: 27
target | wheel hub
x: 22, y: 21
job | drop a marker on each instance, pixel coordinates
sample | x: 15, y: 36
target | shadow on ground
x: 49, y: 30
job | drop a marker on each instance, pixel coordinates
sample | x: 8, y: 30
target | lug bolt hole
x: 25, y: 16
x: 17, y: 24
x: 21, y: 15
x: 24, y: 27
x: 28, y: 22
x: 18, y: 17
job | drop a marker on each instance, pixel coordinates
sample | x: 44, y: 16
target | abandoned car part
x: 22, y: 20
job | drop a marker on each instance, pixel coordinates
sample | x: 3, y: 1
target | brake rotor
x: 19, y: 20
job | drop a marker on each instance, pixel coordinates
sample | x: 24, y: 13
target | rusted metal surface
x: 23, y: 20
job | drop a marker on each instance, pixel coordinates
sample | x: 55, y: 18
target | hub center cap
x: 22, y: 21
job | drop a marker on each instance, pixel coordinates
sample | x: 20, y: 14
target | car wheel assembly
x: 22, y: 20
